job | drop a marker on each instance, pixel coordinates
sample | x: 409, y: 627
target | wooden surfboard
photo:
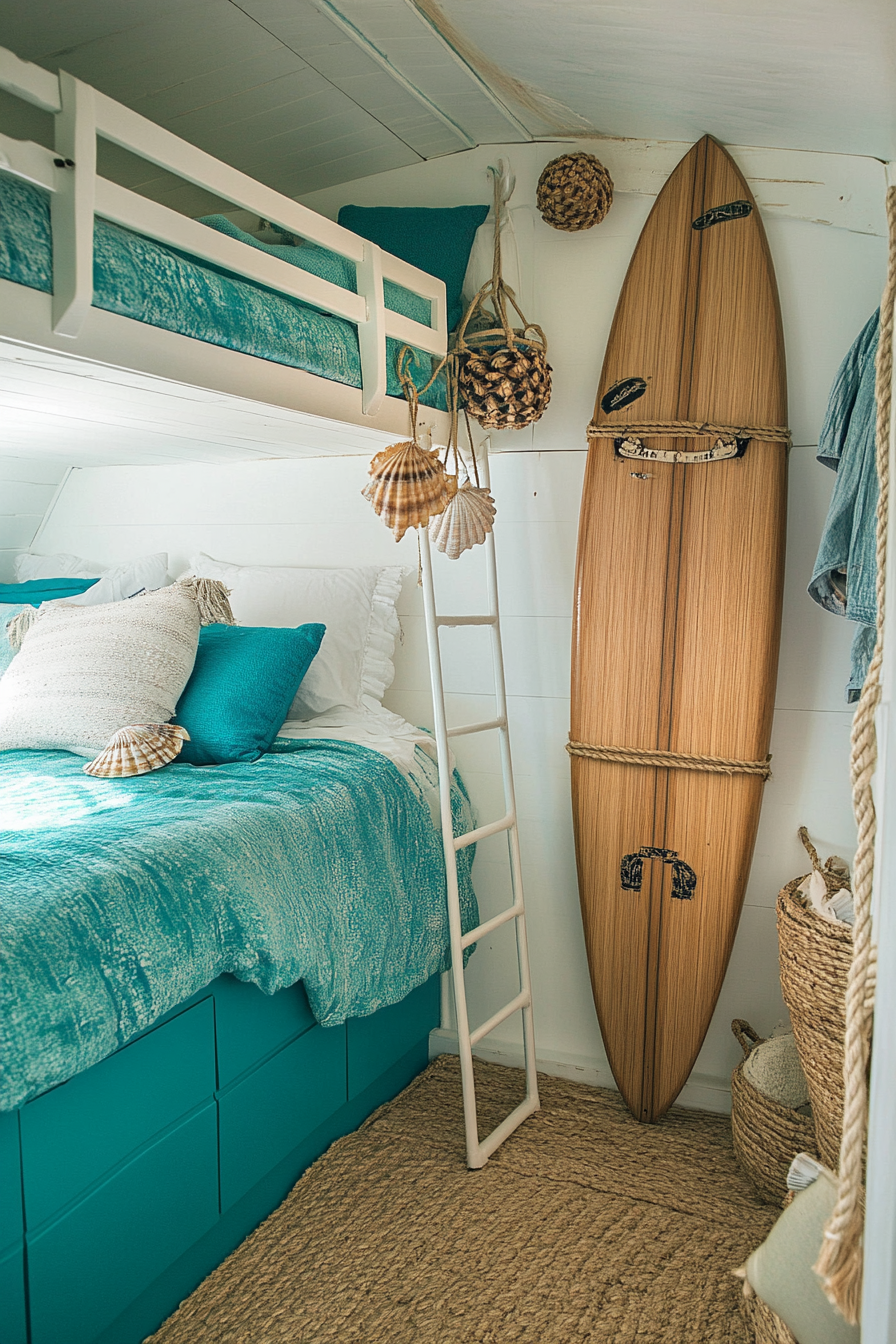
x: 677, y: 620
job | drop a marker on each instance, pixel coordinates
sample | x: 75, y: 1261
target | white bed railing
x: 78, y: 194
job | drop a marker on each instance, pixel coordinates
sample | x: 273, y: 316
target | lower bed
x: 153, y: 932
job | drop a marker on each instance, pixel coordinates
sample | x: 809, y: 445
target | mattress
x: 121, y: 898
x: 139, y: 278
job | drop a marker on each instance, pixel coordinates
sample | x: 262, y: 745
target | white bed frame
x: 65, y: 321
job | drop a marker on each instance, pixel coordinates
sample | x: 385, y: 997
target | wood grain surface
x: 677, y: 621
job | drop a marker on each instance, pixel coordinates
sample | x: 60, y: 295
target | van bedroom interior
x: 447, y: 866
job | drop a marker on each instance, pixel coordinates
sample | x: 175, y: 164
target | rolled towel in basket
x: 773, y: 1067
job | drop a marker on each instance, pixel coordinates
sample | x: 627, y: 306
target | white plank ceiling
x: 305, y: 94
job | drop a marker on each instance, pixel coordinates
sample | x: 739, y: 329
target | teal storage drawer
x: 85, y: 1268
x: 74, y: 1135
x: 376, y: 1043
x: 13, y: 1327
x: 10, y: 1181
x: 266, y: 1115
x: 251, y: 1024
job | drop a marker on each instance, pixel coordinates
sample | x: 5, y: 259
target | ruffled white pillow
x: 84, y: 672
x: 144, y: 574
x: 354, y: 665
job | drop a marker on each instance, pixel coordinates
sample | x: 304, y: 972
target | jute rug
x: 583, y: 1226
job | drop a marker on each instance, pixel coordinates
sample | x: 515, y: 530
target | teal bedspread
x: 159, y: 285
x: 121, y: 898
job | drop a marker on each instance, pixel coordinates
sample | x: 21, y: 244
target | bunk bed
x: 183, y: 1085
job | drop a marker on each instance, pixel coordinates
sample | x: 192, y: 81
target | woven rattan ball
x: 574, y: 192
x: 505, y: 388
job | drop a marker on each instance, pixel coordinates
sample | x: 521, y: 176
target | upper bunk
x: 103, y: 288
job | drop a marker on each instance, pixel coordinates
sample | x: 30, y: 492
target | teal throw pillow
x: 243, y: 683
x: 35, y: 591
x: 437, y: 241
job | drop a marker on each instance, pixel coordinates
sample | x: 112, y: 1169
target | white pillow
x: 134, y: 576
x: 354, y: 665
x: 84, y: 672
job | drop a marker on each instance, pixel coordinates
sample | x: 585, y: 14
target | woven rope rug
x: 583, y: 1226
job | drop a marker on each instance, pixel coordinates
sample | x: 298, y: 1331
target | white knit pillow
x: 84, y: 672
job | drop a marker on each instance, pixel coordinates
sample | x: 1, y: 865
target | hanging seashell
x: 408, y: 486
x: 137, y: 749
x: 466, y: 521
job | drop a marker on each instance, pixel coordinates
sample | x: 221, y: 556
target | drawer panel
x: 10, y: 1180
x: 376, y: 1043
x: 84, y: 1269
x: 73, y: 1135
x: 251, y: 1024
x: 13, y: 1329
x: 267, y: 1114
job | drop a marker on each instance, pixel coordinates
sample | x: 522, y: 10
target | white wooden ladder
x: 478, y: 1152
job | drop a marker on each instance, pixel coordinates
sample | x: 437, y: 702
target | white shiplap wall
x: 310, y: 512
x: 27, y: 488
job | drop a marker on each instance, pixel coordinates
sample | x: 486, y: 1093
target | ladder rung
x: 477, y: 727
x: 521, y: 1001
x: 483, y: 832
x: 466, y: 620
x: 500, y: 1133
x: 512, y: 912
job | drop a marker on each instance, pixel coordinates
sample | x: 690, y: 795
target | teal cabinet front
x: 251, y: 1024
x: 87, y: 1266
x: 75, y: 1134
x: 13, y: 1325
x: 11, y: 1226
x: 270, y: 1112
x: 377, y: 1042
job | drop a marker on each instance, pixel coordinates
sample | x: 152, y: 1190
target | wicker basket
x: 767, y: 1136
x: 763, y: 1326
x: 814, y: 957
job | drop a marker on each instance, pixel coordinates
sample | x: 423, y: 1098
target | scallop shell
x: 466, y: 521
x: 408, y: 486
x: 137, y: 749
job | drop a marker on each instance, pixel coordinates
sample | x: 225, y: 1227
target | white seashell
x: 466, y: 521
x: 408, y: 486
x: 137, y: 749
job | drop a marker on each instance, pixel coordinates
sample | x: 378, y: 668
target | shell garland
x: 465, y: 523
x: 137, y: 749
x: 408, y: 486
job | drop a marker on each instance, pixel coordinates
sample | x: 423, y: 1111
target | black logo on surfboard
x: 720, y: 214
x: 622, y: 394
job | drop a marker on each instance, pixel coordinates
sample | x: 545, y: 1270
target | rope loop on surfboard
x: 671, y: 760
x: 840, y: 1261
x: 731, y: 440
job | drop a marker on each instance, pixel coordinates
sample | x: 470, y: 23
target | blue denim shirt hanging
x: 845, y: 575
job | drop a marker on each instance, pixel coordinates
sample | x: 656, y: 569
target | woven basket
x: 814, y: 958
x: 763, y: 1326
x: 767, y: 1136
x: 574, y: 192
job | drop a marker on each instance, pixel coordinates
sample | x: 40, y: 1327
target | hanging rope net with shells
x: 502, y: 369
x: 410, y: 486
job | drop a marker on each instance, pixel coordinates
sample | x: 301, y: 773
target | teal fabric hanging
x: 845, y: 575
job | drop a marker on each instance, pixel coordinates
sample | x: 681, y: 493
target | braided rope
x: 678, y: 429
x: 840, y: 1260
x: 671, y: 760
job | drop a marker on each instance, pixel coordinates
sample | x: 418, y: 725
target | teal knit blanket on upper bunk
x: 163, y: 287
x: 121, y: 898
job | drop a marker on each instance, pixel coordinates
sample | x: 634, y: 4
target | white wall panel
x: 27, y: 487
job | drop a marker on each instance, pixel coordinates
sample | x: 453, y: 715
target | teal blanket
x: 145, y: 280
x: 121, y: 898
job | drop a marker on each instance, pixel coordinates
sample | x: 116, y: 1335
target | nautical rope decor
x: 671, y: 760
x: 840, y: 1261
x: 731, y: 440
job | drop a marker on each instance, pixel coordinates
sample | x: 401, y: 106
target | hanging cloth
x: 845, y: 573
